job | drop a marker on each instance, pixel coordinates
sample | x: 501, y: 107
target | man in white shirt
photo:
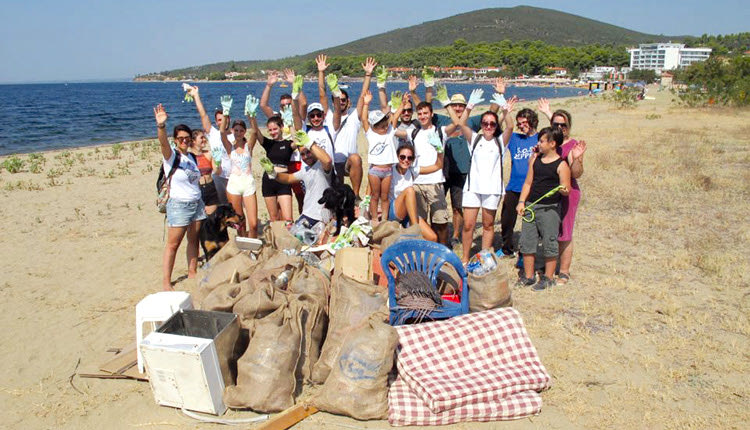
x: 346, y: 159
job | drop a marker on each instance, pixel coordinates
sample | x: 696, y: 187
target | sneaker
x: 525, y: 282
x: 506, y: 253
x: 455, y: 242
x: 543, y: 284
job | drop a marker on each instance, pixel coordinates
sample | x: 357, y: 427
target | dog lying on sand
x: 214, y: 234
x: 339, y: 199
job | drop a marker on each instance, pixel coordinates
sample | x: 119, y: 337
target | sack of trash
x: 352, y: 302
x: 490, y: 290
x: 412, y: 232
x: 358, y: 383
x: 277, y: 235
x: 261, y: 302
x: 265, y: 372
x: 310, y: 289
x: 225, y: 296
x: 384, y: 229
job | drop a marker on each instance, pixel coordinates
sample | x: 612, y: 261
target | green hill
x: 486, y: 25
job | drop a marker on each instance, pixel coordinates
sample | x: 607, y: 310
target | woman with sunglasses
x: 403, y: 198
x: 572, y: 151
x: 484, y: 182
x: 185, y: 209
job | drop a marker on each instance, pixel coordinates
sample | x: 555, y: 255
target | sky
x: 62, y: 40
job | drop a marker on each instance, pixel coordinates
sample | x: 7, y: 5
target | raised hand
x: 333, y: 83
x: 396, y: 99
x: 499, y: 100
x: 369, y: 65
x: 321, y: 62
x: 382, y: 76
x: 226, y: 104
x: 297, y: 86
x: 434, y: 140
x: 289, y: 75
x: 367, y: 97
x: 475, y: 98
x: 287, y: 116
x: 441, y: 95
x: 189, y: 94
x: 543, y: 106
x: 160, y: 115
x: 500, y: 85
x: 412, y: 83
x: 578, y: 149
x: 303, y: 139
x: 510, y: 104
x: 267, y: 165
x: 251, y: 105
x: 428, y: 76
x: 273, y: 77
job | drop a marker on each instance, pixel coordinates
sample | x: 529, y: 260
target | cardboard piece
x: 355, y: 263
x: 122, y: 366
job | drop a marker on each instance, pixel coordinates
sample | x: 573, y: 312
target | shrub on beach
x: 715, y: 81
x: 13, y: 164
x: 624, y: 98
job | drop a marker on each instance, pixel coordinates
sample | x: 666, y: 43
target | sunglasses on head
x: 560, y: 124
x: 403, y: 157
x: 489, y: 124
x: 315, y: 115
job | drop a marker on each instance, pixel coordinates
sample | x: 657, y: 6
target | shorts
x: 569, y: 207
x: 181, y: 213
x: 545, y: 228
x: 455, y: 186
x: 220, y: 183
x: 380, y: 172
x: 431, y: 204
x: 209, y: 195
x: 298, y: 187
x: 342, y: 169
x: 485, y: 201
x: 273, y: 188
x: 241, y: 185
x: 392, y: 214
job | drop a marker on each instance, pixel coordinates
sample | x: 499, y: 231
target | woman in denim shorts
x: 185, y: 209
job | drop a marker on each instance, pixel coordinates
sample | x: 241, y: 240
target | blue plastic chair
x: 427, y: 257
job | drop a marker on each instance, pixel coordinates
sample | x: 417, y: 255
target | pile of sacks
x: 307, y: 327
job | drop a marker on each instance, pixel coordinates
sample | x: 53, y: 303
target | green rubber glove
x: 186, y: 87
x: 226, y: 104
x: 441, y: 95
x: 297, y: 86
x: 395, y: 102
x: 382, y: 76
x: 434, y: 140
x: 303, y: 139
x: 333, y: 84
x: 428, y: 76
x: 251, y: 106
x: 267, y: 165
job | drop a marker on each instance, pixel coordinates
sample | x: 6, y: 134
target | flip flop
x: 563, y: 278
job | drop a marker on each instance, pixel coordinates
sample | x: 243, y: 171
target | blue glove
x: 251, y: 106
x: 287, y: 116
x: 499, y: 100
x: 475, y: 98
x: 434, y: 140
x: 226, y: 104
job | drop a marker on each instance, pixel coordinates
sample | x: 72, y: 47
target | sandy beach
x: 651, y: 333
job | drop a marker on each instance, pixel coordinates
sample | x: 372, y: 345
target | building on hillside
x: 665, y: 56
x: 598, y: 73
x: 559, y: 72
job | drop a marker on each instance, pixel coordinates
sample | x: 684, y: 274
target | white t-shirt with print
x: 427, y: 156
x: 401, y: 182
x: 485, y: 174
x: 322, y: 138
x: 214, y: 140
x: 185, y: 180
x: 381, y: 148
x: 316, y: 181
x: 346, y: 136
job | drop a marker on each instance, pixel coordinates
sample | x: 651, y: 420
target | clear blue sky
x: 43, y: 40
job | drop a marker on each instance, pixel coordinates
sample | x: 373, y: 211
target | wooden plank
x: 121, y: 362
x: 288, y: 418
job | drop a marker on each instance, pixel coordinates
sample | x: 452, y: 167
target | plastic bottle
x: 282, y: 279
x: 488, y: 262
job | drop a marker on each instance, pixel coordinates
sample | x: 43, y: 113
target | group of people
x: 415, y: 165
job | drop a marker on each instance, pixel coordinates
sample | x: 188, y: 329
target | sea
x: 40, y: 117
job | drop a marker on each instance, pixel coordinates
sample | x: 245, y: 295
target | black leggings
x: 508, y: 217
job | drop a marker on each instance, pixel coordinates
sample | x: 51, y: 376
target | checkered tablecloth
x: 479, y: 366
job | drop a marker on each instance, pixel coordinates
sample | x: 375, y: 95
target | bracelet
x: 162, y: 125
x: 368, y: 76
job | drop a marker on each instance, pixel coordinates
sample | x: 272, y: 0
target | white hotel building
x: 665, y: 56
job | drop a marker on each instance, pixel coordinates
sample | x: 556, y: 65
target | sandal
x: 563, y: 278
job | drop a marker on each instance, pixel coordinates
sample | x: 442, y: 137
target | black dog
x: 213, y: 234
x: 339, y: 199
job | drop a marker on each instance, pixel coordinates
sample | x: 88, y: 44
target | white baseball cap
x: 375, y: 117
x: 314, y: 106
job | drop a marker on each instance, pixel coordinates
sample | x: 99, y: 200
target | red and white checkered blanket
x: 474, y: 367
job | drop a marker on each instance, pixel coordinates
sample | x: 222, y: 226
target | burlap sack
x: 269, y: 270
x: 262, y: 301
x: 490, y: 290
x: 358, y: 383
x: 384, y: 229
x: 277, y: 235
x: 265, y: 372
x: 228, y: 251
x: 413, y: 232
x: 313, y: 321
x: 225, y: 296
x: 311, y: 280
x: 352, y: 302
x: 222, y: 272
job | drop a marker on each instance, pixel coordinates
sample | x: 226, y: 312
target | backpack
x: 471, y: 158
x: 163, y: 183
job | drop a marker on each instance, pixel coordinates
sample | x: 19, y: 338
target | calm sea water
x: 37, y: 117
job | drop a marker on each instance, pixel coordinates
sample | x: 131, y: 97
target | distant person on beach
x: 572, y: 151
x: 546, y: 171
x: 403, y: 199
x: 278, y: 196
x: 185, y: 209
x: 285, y: 101
x: 316, y: 174
x: 241, y: 185
x: 520, y: 147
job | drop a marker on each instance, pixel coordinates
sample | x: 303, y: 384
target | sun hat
x: 457, y: 99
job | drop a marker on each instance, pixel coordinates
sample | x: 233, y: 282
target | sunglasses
x: 492, y: 124
x: 408, y: 110
x: 405, y: 157
x: 183, y: 139
x: 315, y: 115
x: 560, y: 124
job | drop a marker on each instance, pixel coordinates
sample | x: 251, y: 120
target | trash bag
x: 225, y: 296
x: 352, y: 302
x: 222, y: 272
x: 413, y: 232
x: 311, y: 289
x: 265, y: 372
x: 358, y: 384
x: 262, y: 301
x: 489, y: 291
x: 384, y: 229
x: 311, y: 280
x: 277, y: 235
